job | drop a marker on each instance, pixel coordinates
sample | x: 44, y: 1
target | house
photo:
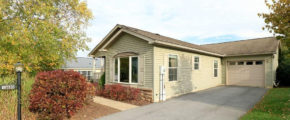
x: 88, y: 67
x: 163, y: 67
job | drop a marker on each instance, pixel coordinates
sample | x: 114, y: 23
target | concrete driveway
x: 218, y: 103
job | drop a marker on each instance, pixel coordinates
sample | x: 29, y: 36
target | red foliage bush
x: 90, y: 90
x: 119, y: 92
x: 57, y: 94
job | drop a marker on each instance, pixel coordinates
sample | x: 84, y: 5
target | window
x: 249, y: 63
x: 126, y: 69
x: 87, y: 74
x: 240, y: 63
x: 232, y: 63
x: 215, y: 67
x: 173, y: 68
x: 134, y: 70
x: 196, y: 62
x: 259, y: 62
x: 116, y: 70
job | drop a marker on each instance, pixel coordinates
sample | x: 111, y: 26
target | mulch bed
x: 93, y: 110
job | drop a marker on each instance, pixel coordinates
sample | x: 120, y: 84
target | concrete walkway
x: 114, y: 104
x: 219, y: 103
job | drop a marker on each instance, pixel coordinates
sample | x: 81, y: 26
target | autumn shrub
x: 57, y: 94
x: 119, y: 92
x: 90, y: 92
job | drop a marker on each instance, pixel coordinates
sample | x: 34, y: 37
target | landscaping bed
x: 93, y: 110
x: 122, y: 93
x: 275, y: 105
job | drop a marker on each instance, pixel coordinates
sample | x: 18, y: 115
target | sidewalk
x: 114, y: 104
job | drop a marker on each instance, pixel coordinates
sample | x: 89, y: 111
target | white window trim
x: 130, y: 71
x: 195, y: 62
x: 216, y: 68
x: 173, y: 67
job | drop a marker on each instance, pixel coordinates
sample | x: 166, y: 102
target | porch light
x: 18, y: 67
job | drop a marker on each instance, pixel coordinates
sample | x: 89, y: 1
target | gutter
x: 270, y: 53
x: 187, y: 48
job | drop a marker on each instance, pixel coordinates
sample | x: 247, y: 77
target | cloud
x: 195, y: 21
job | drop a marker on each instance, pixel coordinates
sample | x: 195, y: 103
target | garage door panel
x: 246, y: 75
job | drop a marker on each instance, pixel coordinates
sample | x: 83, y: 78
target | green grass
x: 274, y: 106
x: 8, y: 99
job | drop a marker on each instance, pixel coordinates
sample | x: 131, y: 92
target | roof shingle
x: 266, y: 45
x: 166, y: 39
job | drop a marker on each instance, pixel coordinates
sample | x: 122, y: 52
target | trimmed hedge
x: 58, y: 94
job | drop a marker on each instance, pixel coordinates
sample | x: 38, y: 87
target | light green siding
x: 129, y: 43
x: 271, y: 63
x: 188, y: 80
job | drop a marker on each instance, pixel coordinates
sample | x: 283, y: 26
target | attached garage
x: 246, y: 73
x: 249, y: 62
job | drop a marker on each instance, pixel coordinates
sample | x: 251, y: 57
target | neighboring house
x: 136, y: 58
x: 88, y: 67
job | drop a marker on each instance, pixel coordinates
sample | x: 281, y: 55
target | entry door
x: 246, y: 73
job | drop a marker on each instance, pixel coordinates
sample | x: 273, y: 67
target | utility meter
x: 162, y: 70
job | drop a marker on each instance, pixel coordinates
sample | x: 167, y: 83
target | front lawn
x: 274, y: 106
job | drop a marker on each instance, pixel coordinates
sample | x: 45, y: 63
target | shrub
x: 119, y: 92
x: 57, y: 94
x: 90, y: 92
x: 283, y: 71
x: 102, y: 80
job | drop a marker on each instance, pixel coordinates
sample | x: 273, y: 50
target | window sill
x: 174, y: 81
x: 127, y: 83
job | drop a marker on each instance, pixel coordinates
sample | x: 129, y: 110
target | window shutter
x: 192, y: 62
x: 141, y: 69
x: 111, y: 78
x: 179, y: 66
x: 166, y: 66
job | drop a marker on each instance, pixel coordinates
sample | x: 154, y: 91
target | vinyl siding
x: 268, y: 60
x: 188, y: 80
x: 128, y: 43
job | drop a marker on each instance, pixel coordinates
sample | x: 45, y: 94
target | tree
x: 278, y: 22
x: 41, y: 34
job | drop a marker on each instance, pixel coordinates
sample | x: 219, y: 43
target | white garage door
x: 246, y: 73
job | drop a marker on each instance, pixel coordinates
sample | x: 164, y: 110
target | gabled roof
x: 81, y: 62
x: 243, y: 47
x: 161, y: 38
x: 153, y: 38
x: 266, y: 45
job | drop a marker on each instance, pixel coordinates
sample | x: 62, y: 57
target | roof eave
x: 91, y: 54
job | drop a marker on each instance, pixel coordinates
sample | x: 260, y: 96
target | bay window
x: 126, y: 69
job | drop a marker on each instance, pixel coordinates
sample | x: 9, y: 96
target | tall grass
x: 8, y: 99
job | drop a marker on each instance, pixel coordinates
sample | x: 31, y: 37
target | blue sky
x: 194, y: 21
